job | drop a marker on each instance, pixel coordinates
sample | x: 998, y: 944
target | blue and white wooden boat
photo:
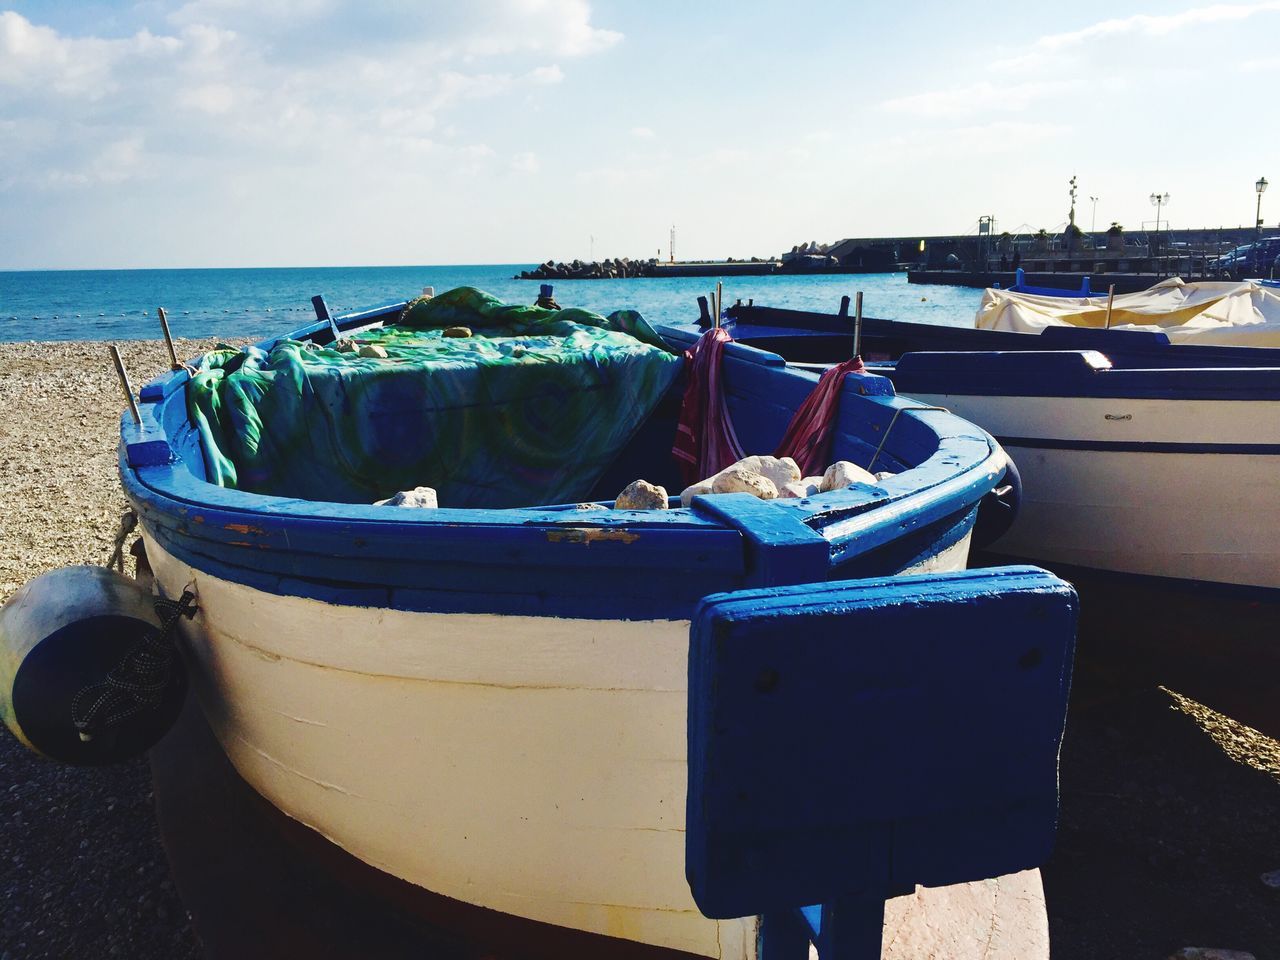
x: 1117, y: 434
x: 495, y: 705
x: 1020, y: 285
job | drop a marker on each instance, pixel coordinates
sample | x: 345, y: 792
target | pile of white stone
x: 769, y: 478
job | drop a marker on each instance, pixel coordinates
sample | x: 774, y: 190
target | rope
x: 128, y: 523
x: 139, y: 681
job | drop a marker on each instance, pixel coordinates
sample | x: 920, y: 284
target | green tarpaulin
x: 528, y: 410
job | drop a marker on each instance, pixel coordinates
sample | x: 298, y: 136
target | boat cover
x: 530, y: 409
x: 1224, y: 313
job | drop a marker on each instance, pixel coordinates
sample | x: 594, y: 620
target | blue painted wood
x: 566, y: 563
x: 781, y: 547
x: 817, y: 337
x: 147, y: 444
x: 1020, y: 285
x: 1075, y: 373
x: 858, y: 738
x: 1143, y: 446
x: 163, y: 385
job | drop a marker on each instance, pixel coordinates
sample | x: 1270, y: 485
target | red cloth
x: 705, y: 439
x: 808, y: 436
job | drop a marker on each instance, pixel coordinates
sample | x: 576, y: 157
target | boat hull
x: 260, y: 885
x: 531, y: 765
x: 1174, y: 488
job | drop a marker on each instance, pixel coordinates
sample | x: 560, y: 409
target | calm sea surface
x: 121, y: 304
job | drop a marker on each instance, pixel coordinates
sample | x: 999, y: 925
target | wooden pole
x: 1111, y: 296
x: 168, y: 340
x: 124, y: 384
x: 857, y: 323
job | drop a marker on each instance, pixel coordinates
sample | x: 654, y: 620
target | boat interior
x: 563, y: 439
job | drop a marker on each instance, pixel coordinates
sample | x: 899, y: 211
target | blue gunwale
x: 556, y: 560
x: 1075, y: 373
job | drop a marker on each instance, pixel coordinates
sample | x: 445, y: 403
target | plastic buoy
x: 86, y: 676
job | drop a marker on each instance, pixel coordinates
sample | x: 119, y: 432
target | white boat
x: 1242, y: 313
x: 1169, y: 472
x: 493, y: 704
x: 1123, y: 438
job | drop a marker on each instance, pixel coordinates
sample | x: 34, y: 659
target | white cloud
x: 981, y: 97
x: 324, y: 83
x: 1263, y: 65
x: 1156, y: 25
x: 642, y: 133
x: 34, y: 57
x: 999, y: 136
x: 1149, y: 25
x: 551, y: 74
x: 212, y: 98
x: 526, y: 162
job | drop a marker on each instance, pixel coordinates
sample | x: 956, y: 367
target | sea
x: 270, y: 301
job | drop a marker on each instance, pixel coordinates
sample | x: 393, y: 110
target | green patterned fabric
x: 530, y: 409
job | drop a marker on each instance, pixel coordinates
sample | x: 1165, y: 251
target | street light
x: 1158, y: 200
x: 1261, y: 187
x: 1093, y: 222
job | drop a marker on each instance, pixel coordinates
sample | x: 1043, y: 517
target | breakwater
x: 624, y: 268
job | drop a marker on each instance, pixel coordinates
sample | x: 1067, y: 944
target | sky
x: 229, y: 133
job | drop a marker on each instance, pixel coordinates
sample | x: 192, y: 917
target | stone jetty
x: 595, y: 270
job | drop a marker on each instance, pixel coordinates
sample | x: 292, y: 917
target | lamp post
x: 1158, y: 200
x: 1261, y: 187
x: 1093, y: 221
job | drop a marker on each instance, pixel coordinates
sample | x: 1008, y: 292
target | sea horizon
x: 109, y: 304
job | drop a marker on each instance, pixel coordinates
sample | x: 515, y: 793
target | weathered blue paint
x: 563, y: 562
x: 826, y: 338
x: 1143, y: 446
x: 1074, y: 373
x: 848, y: 741
x: 1020, y: 285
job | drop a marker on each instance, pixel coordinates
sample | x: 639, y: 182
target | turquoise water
x: 121, y: 304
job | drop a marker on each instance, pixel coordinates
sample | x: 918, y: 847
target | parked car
x: 1251, y: 259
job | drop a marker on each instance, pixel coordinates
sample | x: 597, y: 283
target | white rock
x: 424, y: 497
x: 884, y: 474
x: 778, y: 470
x: 799, y: 488
x: 842, y: 473
x: 642, y: 495
x: 738, y: 479
x: 699, y: 489
x: 373, y: 350
x: 589, y: 506
x: 813, y: 481
x: 344, y: 345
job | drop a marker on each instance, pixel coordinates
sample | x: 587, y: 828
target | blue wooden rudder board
x: 848, y: 741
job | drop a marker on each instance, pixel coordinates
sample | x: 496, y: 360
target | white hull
x: 1206, y: 516
x: 534, y: 766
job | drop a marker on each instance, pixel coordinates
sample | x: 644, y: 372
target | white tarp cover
x: 1242, y: 314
